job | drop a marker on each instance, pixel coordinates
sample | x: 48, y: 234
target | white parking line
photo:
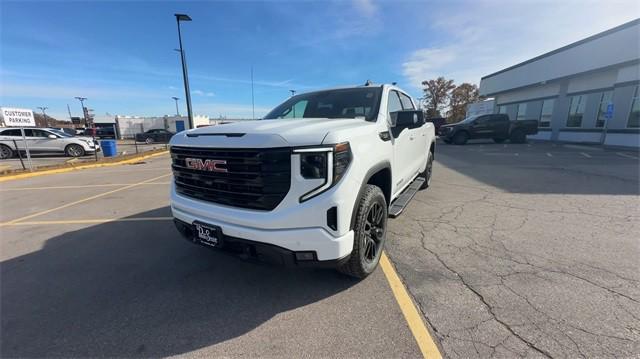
x: 585, y: 154
x: 549, y: 154
x: 626, y: 155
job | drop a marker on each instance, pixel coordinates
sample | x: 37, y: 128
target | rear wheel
x: 5, y: 152
x: 370, y: 234
x: 499, y: 140
x: 518, y: 136
x: 460, y: 138
x: 74, y: 151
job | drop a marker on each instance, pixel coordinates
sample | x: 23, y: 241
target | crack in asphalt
x: 486, y: 304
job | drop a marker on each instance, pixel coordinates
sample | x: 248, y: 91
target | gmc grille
x: 256, y: 178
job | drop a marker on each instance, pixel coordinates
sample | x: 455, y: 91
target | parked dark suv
x: 495, y: 126
x: 155, y: 135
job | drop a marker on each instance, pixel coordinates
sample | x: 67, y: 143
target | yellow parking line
x: 81, y: 167
x: 90, y: 221
x: 78, y: 186
x: 81, y: 201
x: 419, y: 330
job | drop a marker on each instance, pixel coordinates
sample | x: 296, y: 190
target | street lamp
x: 44, y: 115
x: 185, y: 76
x: 176, y: 100
x: 293, y: 92
x: 84, y: 114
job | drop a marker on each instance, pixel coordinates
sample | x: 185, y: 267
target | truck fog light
x: 306, y: 256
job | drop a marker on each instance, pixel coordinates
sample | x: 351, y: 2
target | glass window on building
x: 502, y: 110
x: 576, y: 110
x: 605, y: 100
x: 522, y: 111
x: 634, y: 115
x: 546, y: 112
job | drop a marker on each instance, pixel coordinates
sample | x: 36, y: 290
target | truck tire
x: 518, y: 136
x: 370, y: 229
x: 499, y: 140
x: 74, y: 150
x: 460, y: 138
x: 5, y: 152
x: 428, y: 170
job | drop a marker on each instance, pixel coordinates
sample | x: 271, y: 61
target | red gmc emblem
x: 206, y: 165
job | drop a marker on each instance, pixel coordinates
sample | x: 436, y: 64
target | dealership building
x: 588, y: 91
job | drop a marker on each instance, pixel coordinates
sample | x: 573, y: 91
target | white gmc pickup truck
x: 312, y: 183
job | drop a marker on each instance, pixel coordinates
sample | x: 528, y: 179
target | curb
x: 81, y: 167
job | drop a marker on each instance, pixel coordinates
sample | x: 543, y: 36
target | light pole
x: 185, y: 76
x: 84, y: 114
x: 293, y: 92
x: 44, y: 115
x: 176, y: 100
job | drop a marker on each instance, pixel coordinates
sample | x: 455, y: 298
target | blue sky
x: 120, y: 56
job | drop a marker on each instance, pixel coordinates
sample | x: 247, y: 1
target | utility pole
x: 84, y: 113
x: 185, y: 76
x: 44, y: 115
x: 176, y: 100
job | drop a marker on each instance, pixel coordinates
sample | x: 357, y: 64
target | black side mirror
x: 407, y: 119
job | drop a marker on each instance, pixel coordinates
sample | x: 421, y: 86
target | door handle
x: 410, y: 138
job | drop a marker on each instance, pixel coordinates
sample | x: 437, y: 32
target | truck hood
x: 264, y: 133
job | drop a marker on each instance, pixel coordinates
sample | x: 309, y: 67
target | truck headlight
x: 328, y: 163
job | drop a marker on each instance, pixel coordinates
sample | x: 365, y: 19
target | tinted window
x: 576, y: 110
x: 394, y: 103
x: 634, y: 115
x: 546, y: 112
x: 406, y: 102
x: 482, y: 120
x: 13, y: 132
x: 498, y: 119
x: 350, y: 103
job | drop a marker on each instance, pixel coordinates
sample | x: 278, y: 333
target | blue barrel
x: 108, y: 148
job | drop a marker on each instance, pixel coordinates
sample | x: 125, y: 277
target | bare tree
x: 436, y: 95
x: 461, y: 97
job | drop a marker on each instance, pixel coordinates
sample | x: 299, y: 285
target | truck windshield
x: 343, y: 103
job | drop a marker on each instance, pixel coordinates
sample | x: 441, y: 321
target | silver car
x: 44, y: 140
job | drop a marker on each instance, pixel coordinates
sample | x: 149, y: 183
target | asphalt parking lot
x: 515, y: 250
x: 52, y: 159
x: 526, y: 250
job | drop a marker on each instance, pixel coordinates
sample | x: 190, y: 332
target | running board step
x: 405, y: 197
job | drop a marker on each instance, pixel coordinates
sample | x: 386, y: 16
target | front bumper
x: 264, y: 252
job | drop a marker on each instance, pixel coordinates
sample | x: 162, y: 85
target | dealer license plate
x: 207, y: 234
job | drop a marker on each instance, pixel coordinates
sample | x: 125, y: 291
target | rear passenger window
x: 11, y: 133
x: 406, y: 102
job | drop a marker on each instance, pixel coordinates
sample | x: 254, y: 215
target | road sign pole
x: 15, y: 145
x: 26, y: 147
x: 608, y: 116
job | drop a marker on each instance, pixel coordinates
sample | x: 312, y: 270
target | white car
x: 44, y: 140
x: 312, y: 183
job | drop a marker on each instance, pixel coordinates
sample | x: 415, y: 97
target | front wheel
x: 5, y: 152
x: 74, y: 151
x: 148, y: 140
x: 460, y: 138
x: 428, y: 170
x: 370, y: 234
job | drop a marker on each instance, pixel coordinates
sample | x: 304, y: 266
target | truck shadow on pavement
x: 125, y: 289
